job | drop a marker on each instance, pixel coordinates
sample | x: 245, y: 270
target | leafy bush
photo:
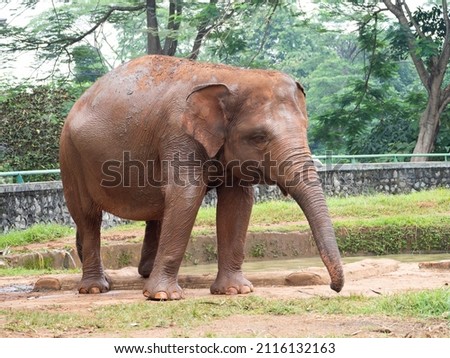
x: 31, y: 118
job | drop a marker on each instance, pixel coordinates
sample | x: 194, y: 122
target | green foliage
x: 432, y: 25
x: 88, y: 64
x: 31, y: 118
x: 258, y: 250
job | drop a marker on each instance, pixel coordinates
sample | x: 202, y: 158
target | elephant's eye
x: 258, y: 138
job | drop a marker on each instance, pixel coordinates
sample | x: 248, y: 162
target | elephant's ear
x: 204, y: 118
x: 301, y: 99
x: 301, y: 88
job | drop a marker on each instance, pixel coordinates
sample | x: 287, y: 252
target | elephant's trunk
x: 302, y: 183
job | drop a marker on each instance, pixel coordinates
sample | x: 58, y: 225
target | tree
x: 54, y: 35
x: 426, y: 34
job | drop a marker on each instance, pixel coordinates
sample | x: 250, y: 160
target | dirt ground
x: 367, y: 277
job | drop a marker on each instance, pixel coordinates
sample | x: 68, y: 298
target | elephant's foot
x: 162, y: 290
x: 231, y: 283
x: 94, y: 285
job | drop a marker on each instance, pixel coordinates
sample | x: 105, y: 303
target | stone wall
x: 23, y: 205
x: 388, y: 178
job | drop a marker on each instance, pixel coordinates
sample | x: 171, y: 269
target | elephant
x: 148, y: 139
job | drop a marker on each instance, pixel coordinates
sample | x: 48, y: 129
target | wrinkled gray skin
x: 155, y: 109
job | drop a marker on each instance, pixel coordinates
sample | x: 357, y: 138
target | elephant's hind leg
x: 149, y: 247
x: 88, y: 245
x: 234, y: 206
x: 87, y: 216
x: 88, y: 219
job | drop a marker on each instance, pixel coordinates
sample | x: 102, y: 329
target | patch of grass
x: 276, y: 212
x: 126, y: 227
x: 430, y: 202
x: 433, y: 303
x: 395, y: 235
x: 206, y: 217
x: 360, y: 209
x: 190, y: 313
x: 22, y: 271
x: 34, y: 234
x: 203, y: 231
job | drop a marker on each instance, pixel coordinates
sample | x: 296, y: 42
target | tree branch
x: 204, y: 30
x: 99, y: 22
x: 414, y: 22
x: 397, y: 10
x: 266, y: 32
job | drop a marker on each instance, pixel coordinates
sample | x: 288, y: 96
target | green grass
x: 425, y: 205
x: 187, y: 314
x: 34, y: 234
x: 22, y: 271
x: 421, y: 203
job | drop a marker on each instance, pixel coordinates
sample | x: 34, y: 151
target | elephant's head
x: 261, y: 123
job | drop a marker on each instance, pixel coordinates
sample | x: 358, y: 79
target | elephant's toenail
x: 162, y: 296
x: 146, y: 294
x: 94, y: 290
x: 82, y: 291
x: 175, y: 296
x: 245, y: 290
x: 232, y: 291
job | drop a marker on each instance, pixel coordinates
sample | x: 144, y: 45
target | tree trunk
x: 173, y: 25
x: 428, y: 128
x: 153, y: 42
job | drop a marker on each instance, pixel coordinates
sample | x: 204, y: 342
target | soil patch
x: 368, y: 278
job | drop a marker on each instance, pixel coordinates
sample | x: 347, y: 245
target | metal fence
x: 329, y: 158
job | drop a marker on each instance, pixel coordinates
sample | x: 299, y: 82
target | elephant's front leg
x: 180, y: 211
x: 234, y: 206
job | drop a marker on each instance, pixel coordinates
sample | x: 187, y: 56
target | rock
x: 369, y: 268
x: 438, y: 265
x: 305, y: 279
x: 47, y: 284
